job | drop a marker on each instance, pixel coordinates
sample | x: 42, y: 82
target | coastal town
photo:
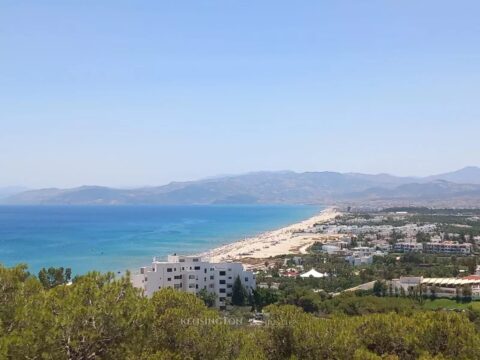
x: 400, y: 251
x: 357, y: 237
x: 404, y: 251
x: 239, y: 180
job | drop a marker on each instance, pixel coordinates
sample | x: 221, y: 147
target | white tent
x: 313, y: 273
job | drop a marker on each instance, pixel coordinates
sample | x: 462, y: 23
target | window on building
x: 177, y: 277
x: 195, y: 260
x: 222, y: 291
x: 229, y: 286
x: 222, y: 273
x: 169, y: 279
x: 212, y: 277
x: 197, y: 267
x: 169, y: 269
x: 191, y: 277
x: 222, y: 282
x: 246, y: 279
x: 205, y: 270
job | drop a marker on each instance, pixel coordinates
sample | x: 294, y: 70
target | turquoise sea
x: 116, y: 238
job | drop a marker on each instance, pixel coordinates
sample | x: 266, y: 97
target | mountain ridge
x: 283, y: 187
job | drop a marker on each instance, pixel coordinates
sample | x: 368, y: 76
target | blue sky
x: 128, y: 93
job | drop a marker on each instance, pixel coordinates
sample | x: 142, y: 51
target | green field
x: 449, y: 304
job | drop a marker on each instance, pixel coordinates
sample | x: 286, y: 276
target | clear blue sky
x: 127, y: 93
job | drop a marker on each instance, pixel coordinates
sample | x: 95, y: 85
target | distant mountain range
x: 284, y: 187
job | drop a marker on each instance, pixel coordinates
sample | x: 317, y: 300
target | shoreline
x: 291, y: 239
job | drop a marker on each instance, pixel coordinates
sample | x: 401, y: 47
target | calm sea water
x: 115, y: 238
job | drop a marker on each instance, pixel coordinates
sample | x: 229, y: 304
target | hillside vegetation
x: 100, y: 317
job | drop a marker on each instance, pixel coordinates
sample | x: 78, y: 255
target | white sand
x: 293, y: 239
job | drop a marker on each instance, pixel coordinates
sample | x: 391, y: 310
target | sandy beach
x: 293, y: 239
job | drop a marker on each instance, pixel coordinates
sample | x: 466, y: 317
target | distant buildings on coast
x: 379, y: 235
x: 441, y: 247
x: 193, y: 274
x: 468, y: 286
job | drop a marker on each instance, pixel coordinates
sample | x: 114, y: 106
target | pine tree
x: 239, y: 293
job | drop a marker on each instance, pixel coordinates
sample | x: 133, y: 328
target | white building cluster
x: 357, y: 256
x: 408, y: 230
x: 192, y: 274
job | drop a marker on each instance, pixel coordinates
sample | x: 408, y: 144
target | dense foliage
x: 102, y: 317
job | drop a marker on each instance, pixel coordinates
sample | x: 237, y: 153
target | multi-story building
x: 358, y: 260
x: 331, y: 249
x: 362, y: 255
x: 407, y: 247
x: 448, y: 247
x: 192, y: 274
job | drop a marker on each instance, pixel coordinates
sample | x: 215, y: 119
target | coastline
x: 291, y: 239
x: 120, y: 238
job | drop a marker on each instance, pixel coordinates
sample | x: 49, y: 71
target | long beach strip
x: 291, y: 239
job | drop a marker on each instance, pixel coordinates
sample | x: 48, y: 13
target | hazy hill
x: 268, y: 187
x: 467, y: 175
x: 262, y: 187
x: 439, y: 189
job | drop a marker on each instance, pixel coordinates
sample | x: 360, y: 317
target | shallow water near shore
x: 115, y: 238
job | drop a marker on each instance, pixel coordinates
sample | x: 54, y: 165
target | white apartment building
x: 362, y: 255
x: 408, y: 247
x: 448, y: 247
x: 358, y: 260
x: 331, y: 249
x: 192, y: 274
